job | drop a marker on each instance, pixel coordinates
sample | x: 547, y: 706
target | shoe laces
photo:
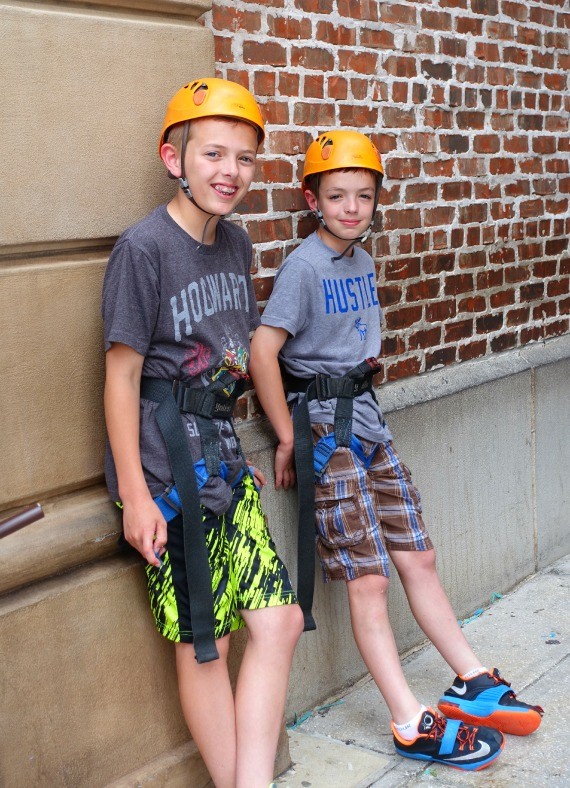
x: 465, y: 735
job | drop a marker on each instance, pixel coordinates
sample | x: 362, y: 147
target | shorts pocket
x: 338, y: 519
x: 412, y: 489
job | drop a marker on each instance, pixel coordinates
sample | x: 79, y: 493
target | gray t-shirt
x: 332, y: 314
x: 188, y: 309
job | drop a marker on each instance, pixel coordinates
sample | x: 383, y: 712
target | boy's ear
x: 171, y: 158
x: 312, y: 201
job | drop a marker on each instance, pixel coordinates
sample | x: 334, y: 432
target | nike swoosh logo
x: 460, y: 690
x: 483, y: 750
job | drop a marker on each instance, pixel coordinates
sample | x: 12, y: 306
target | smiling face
x: 219, y: 163
x: 346, y: 199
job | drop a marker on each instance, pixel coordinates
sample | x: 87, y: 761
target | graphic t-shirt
x: 188, y: 308
x: 331, y: 311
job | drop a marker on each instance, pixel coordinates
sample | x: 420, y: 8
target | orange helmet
x: 339, y: 150
x: 210, y: 97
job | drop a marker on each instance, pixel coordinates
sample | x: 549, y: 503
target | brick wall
x: 468, y: 103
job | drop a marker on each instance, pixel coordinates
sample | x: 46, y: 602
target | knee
x: 281, y: 625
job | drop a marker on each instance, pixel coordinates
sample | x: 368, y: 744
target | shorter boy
x: 322, y: 325
x: 178, y: 308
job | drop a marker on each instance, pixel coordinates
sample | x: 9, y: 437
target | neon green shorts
x: 247, y: 573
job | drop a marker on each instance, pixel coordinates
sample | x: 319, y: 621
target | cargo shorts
x: 363, y: 510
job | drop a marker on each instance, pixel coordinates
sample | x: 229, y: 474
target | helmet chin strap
x: 183, y: 181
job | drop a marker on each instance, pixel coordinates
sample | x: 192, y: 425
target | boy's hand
x: 258, y: 476
x: 145, y: 529
x: 284, y: 467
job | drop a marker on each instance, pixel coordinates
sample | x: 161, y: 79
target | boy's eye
x: 213, y: 154
x: 247, y: 159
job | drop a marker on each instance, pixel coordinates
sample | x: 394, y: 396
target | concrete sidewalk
x: 346, y: 742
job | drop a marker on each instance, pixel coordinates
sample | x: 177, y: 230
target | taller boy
x: 322, y: 323
x: 178, y: 307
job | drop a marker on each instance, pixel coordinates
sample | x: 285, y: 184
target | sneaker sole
x: 516, y: 723
x: 476, y: 767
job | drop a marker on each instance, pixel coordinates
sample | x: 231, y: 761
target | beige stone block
x: 83, y: 98
x: 88, y: 687
x: 51, y: 419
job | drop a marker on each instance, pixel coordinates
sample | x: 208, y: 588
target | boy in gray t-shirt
x: 321, y: 331
x: 178, y: 308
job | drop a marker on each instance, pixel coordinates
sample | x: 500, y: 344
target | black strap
x: 305, y: 469
x: 198, y: 573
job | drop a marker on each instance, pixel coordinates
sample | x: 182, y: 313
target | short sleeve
x: 131, y: 298
x: 288, y: 305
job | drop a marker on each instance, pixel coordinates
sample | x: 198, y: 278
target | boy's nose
x: 230, y: 167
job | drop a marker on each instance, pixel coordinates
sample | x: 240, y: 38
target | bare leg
x: 208, y: 707
x: 261, y: 690
x: 373, y: 634
x: 431, y: 608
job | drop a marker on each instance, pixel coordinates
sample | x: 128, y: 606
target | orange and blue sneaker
x: 451, y: 742
x: 487, y: 699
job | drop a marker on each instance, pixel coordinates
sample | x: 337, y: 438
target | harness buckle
x: 322, y: 387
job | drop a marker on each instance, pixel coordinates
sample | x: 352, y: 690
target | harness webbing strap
x: 304, y: 467
x: 198, y: 575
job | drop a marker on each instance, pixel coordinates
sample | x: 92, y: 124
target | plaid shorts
x: 363, y: 512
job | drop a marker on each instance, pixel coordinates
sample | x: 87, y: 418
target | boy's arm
x: 143, y: 524
x: 266, y: 375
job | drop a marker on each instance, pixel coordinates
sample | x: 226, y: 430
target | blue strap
x: 449, y: 737
x: 169, y: 502
x: 326, y: 446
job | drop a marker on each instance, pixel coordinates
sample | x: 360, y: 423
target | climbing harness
x: 206, y: 404
x: 309, y: 460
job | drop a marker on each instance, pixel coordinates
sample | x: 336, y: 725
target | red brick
x: 441, y: 310
x: 421, y: 192
x: 357, y: 115
x: 560, y: 287
x: 359, y: 9
x: 403, y: 317
x: 425, y: 289
x: 436, y: 263
x: 403, y: 368
x: 517, y: 273
x: 556, y: 246
x: 406, y: 268
x: 468, y: 25
x: 501, y: 166
x: 453, y: 47
x: 440, y: 357
x: 314, y: 114
x: 475, y: 212
x: 502, y: 256
x: 399, y: 167
x: 472, y: 304
x: 394, y: 117
x: 472, y: 259
x: 472, y: 350
x: 503, y: 342
x: 557, y: 328
x: 486, y: 143
x: 393, y: 13
x: 437, y: 118
x: 473, y: 236
x: 289, y: 28
x: 264, y: 83
x: 488, y: 53
x: 276, y: 112
x: 530, y: 208
x: 288, y: 200
x: 362, y: 62
x: 393, y: 346
x: 261, y: 53
x: 223, y: 49
x: 456, y: 190
x: 502, y: 122
x: 335, y: 35
x: 290, y: 143
x: 255, y: 201
x: 515, y: 144
x: 516, y: 11
x: 311, y: 6
x: 458, y: 283
x: 377, y: 39
x: 270, y: 258
x: 516, y: 317
x: 425, y: 338
x: 263, y: 287
x: 489, y: 278
x: 557, y: 206
x: 504, y: 298
x: 439, y: 168
x: 389, y: 294
x: 312, y: 58
x: 337, y: 87
x: 435, y: 217
x: 461, y: 329
x: 232, y: 19
x: 488, y: 323
x: 435, y: 20
x: 289, y: 84
x: 532, y: 292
